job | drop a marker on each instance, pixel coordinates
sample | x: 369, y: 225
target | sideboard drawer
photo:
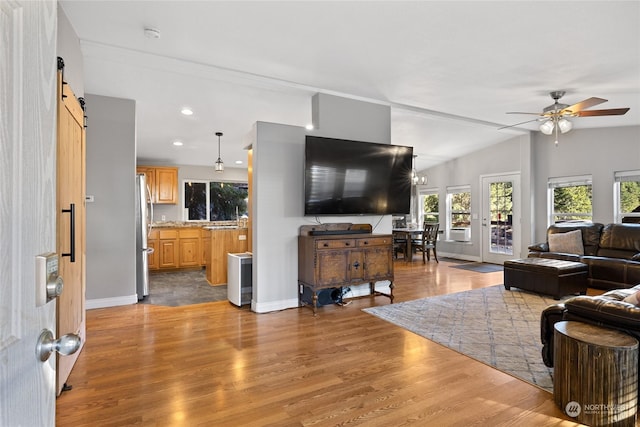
x: 374, y: 241
x: 335, y: 244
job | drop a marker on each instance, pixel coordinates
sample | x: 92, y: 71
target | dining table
x: 410, y: 233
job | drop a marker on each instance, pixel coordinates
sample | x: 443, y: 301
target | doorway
x: 500, y: 217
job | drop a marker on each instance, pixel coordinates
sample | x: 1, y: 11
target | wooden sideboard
x: 335, y: 257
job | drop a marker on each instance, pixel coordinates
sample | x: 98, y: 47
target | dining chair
x: 400, y: 244
x: 428, y: 242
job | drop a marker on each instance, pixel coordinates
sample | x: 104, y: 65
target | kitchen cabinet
x: 152, y: 243
x: 189, y: 242
x: 168, y: 248
x: 338, y: 260
x: 206, y: 247
x: 162, y: 182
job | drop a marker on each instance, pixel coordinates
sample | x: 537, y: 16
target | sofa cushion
x: 619, y: 241
x: 606, y: 310
x: 590, y: 233
x: 634, y: 298
x: 568, y: 243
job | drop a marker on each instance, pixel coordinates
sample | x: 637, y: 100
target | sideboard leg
x: 314, y: 305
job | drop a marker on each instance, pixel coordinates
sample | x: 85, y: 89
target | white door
x: 27, y: 206
x: 500, y: 217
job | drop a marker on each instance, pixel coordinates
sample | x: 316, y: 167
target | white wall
x: 68, y: 48
x: 345, y: 118
x: 278, y: 192
x: 597, y: 152
x: 111, y: 145
x: 513, y: 155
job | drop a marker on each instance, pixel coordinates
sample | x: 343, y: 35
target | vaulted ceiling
x: 449, y: 70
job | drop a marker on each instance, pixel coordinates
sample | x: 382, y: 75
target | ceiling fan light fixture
x: 547, y: 127
x: 565, y: 125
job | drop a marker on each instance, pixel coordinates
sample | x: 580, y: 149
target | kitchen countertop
x: 212, y: 225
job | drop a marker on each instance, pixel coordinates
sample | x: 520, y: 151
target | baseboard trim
x: 459, y: 256
x: 111, y: 302
x: 266, y: 307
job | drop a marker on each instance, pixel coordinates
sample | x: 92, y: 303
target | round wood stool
x: 595, y: 379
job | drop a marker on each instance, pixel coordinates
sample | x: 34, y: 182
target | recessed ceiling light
x: 309, y: 126
x: 238, y: 162
x: 178, y: 143
x: 187, y: 111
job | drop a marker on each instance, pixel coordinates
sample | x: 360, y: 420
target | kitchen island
x: 183, y: 245
x: 224, y: 241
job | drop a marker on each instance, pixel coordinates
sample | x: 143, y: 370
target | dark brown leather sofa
x: 611, y: 252
x: 607, y: 310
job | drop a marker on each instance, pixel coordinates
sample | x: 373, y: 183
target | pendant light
x: 219, y: 164
x: 415, y: 178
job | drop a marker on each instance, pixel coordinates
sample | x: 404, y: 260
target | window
x: 627, y: 196
x: 429, y: 206
x: 459, y: 210
x: 570, y: 199
x: 214, y: 201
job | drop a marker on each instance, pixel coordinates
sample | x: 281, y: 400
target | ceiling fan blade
x: 582, y: 105
x: 518, y: 124
x: 609, y: 112
x: 520, y: 112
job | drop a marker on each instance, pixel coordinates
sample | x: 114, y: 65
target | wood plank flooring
x: 216, y: 364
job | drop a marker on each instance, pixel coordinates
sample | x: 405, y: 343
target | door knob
x: 65, y: 345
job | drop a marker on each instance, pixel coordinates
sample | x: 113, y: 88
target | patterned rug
x: 498, y: 327
x: 178, y: 288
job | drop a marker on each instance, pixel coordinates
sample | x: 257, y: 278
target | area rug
x: 177, y: 288
x: 479, y: 267
x: 498, y: 327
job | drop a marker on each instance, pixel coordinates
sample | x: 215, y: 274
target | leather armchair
x: 606, y: 310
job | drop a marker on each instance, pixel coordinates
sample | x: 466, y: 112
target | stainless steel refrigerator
x: 144, y: 219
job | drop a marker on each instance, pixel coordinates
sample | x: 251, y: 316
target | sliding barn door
x: 70, y: 222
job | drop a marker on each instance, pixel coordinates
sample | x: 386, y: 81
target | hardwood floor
x: 218, y: 365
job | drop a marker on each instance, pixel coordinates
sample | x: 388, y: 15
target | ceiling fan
x: 554, y: 117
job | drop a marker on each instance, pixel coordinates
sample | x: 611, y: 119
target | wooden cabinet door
x: 150, y: 175
x: 189, y: 253
x: 168, y: 253
x: 153, y: 256
x: 166, y: 182
x: 332, y: 267
x: 356, y: 266
x: 378, y: 263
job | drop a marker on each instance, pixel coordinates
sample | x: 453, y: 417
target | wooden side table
x: 596, y: 374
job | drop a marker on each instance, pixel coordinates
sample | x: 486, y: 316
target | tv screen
x: 345, y: 177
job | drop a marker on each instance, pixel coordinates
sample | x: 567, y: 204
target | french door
x: 500, y: 217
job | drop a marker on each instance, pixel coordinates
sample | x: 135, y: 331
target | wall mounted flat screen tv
x: 345, y: 177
